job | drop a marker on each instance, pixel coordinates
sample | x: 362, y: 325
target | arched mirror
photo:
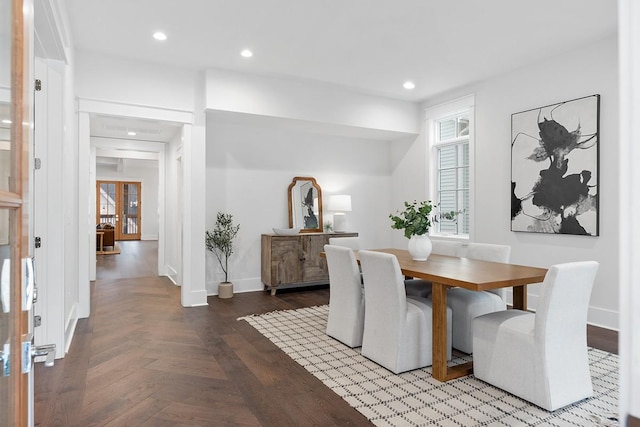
x: 305, y: 205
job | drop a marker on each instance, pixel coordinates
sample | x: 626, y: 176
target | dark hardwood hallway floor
x: 142, y: 359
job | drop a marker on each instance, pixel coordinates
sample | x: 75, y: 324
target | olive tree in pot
x: 220, y: 242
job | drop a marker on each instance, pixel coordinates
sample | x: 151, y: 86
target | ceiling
x: 369, y: 46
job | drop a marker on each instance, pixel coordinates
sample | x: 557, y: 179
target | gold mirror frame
x: 303, y: 193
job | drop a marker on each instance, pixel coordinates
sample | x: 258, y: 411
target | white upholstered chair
x: 443, y: 247
x: 349, y: 242
x: 413, y: 287
x: 422, y: 288
x: 346, y: 301
x: 397, y: 328
x: 541, y: 357
x: 467, y: 304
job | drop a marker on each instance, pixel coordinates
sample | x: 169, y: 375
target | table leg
x: 440, y: 370
x: 101, y: 240
x: 520, y: 297
x: 439, y: 331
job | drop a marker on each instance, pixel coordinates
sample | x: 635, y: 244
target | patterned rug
x: 414, y: 398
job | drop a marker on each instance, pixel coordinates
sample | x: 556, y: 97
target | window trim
x: 433, y: 115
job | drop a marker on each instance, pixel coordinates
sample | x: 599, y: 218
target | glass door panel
x: 130, y: 208
x: 107, y: 203
x: 6, y: 116
x: 5, y: 144
x: 6, y: 290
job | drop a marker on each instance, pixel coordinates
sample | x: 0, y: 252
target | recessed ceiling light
x: 6, y: 121
x: 160, y: 36
x: 131, y: 133
x: 246, y: 53
x: 409, y: 85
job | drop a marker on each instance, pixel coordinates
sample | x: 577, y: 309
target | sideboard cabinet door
x: 295, y: 260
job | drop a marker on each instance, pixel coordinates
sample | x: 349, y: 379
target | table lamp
x: 339, y: 203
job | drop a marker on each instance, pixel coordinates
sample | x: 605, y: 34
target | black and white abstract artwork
x: 554, y: 168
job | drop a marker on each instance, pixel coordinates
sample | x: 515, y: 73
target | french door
x: 15, y: 142
x: 118, y: 204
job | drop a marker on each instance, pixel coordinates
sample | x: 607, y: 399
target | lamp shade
x: 339, y: 203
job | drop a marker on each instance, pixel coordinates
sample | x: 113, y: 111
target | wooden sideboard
x: 289, y: 261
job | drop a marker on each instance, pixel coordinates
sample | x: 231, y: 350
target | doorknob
x: 48, y: 350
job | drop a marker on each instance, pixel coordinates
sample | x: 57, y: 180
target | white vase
x: 420, y: 247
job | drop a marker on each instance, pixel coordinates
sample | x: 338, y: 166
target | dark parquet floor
x: 141, y: 359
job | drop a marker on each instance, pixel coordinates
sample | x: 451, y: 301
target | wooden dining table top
x: 464, y: 272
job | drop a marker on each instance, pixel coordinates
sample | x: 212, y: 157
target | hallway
x: 138, y: 258
x: 142, y: 359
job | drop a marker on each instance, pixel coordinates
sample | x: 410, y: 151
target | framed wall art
x: 554, y: 168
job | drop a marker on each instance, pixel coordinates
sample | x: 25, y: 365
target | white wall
x: 310, y: 102
x: 145, y: 172
x: 249, y: 169
x: 592, y: 70
x: 263, y: 131
x: 130, y: 82
x: 629, y: 16
x: 173, y: 210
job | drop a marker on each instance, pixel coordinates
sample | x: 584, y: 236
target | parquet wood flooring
x: 142, y: 359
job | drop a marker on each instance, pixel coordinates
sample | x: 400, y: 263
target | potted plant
x: 220, y: 242
x: 415, y: 220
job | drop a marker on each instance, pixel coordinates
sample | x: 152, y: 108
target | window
x: 451, y: 172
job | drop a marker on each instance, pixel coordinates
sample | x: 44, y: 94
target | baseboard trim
x: 70, y: 328
x: 195, y: 298
x: 239, y: 286
x: 172, y: 274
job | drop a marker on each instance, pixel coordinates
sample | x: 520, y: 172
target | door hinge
x: 38, y: 85
x: 37, y: 163
x: 38, y: 241
x: 37, y: 321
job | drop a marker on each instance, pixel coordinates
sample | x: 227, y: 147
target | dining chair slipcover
x: 413, y: 287
x: 467, y: 304
x: 346, y: 300
x: 349, y: 242
x: 397, y: 328
x: 541, y: 357
x: 422, y: 288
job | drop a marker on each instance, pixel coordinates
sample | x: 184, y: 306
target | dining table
x: 445, y: 272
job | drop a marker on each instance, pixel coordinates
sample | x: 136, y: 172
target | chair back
x: 560, y: 331
x: 443, y: 247
x: 385, y: 297
x: 349, y: 242
x: 561, y: 317
x: 492, y: 253
x: 346, y: 303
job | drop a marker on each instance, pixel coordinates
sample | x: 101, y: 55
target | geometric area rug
x: 414, y: 398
